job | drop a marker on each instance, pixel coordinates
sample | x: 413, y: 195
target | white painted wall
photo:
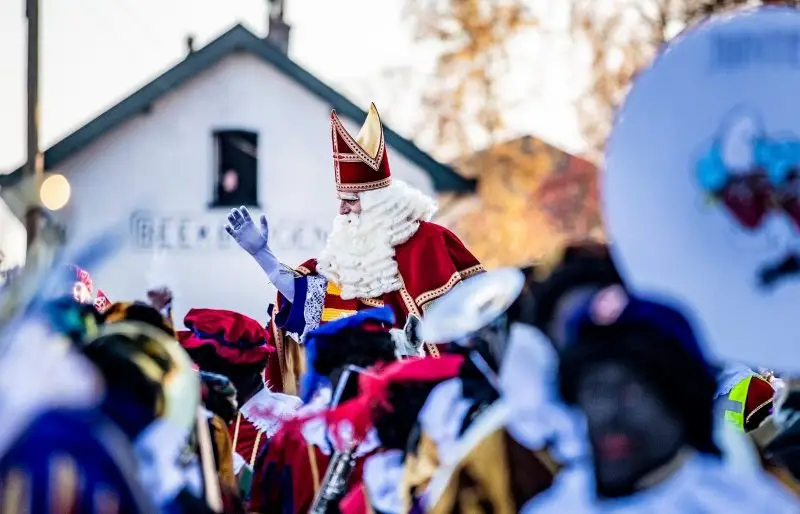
x: 163, y: 163
x: 12, y: 238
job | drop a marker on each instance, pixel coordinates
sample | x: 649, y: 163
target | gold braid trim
x: 408, y: 301
x: 428, y: 296
x: 371, y: 302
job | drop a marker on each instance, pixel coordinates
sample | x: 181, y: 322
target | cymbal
x: 471, y: 305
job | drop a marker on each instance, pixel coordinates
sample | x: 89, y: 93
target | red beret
x: 235, y: 338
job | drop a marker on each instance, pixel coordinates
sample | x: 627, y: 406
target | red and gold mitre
x: 360, y: 163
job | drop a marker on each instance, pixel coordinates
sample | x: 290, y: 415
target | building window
x: 236, y: 172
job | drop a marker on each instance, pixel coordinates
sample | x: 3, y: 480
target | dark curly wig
x: 685, y: 383
x: 246, y: 378
x: 523, y: 308
x: 394, y: 427
x: 582, y: 264
x: 352, y: 347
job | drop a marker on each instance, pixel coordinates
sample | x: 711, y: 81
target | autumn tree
x: 461, y: 102
x: 622, y: 36
x: 531, y: 196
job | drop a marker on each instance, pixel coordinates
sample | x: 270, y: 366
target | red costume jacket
x: 289, y: 471
x: 430, y: 263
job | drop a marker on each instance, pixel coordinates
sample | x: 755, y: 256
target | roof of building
x: 237, y: 39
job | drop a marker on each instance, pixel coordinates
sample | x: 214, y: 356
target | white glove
x: 244, y: 231
x: 407, y: 342
x: 255, y: 241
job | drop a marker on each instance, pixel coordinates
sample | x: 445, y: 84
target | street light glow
x: 55, y: 192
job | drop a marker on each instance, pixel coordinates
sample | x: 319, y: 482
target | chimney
x: 278, y: 29
x: 190, y: 44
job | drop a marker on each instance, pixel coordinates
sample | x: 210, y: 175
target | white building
x: 168, y: 162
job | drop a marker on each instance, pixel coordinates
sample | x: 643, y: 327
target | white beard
x: 359, y: 254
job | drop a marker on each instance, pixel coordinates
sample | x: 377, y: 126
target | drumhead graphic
x: 702, y: 183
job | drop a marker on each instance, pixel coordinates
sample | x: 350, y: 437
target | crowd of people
x: 395, y: 375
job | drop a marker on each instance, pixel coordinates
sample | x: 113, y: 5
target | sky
x: 96, y: 52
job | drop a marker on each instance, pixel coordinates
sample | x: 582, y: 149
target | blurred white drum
x: 702, y: 183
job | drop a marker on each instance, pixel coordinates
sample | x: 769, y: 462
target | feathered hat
x: 360, y: 163
x: 353, y: 419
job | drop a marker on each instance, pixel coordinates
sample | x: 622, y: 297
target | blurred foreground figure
x: 509, y: 449
x: 383, y: 250
x: 579, y: 270
x: 209, y: 445
x: 233, y: 345
x: 388, y: 403
x: 152, y: 396
x: 289, y: 473
x: 635, y: 369
x: 59, y: 450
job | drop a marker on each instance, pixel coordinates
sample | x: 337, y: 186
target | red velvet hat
x: 360, y: 163
x: 235, y: 338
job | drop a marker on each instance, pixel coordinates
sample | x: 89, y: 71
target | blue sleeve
x: 291, y: 314
x: 60, y: 464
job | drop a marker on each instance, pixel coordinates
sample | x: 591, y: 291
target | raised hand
x: 244, y: 231
x: 160, y: 298
x: 255, y: 241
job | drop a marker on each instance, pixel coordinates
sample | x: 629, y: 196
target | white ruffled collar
x: 267, y: 410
